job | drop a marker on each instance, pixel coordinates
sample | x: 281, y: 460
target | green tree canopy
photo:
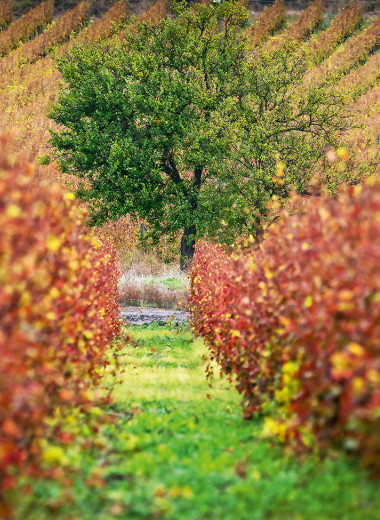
x: 182, y: 124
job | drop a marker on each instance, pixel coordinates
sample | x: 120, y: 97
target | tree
x: 182, y: 125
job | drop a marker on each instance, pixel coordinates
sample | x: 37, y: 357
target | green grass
x: 187, y: 454
x: 175, y: 283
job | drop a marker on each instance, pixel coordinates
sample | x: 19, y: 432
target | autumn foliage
x: 363, y: 78
x: 26, y: 26
x: 58, y: 313
x: 302, y: 26
x: 109, y: 23
x: 297, y: 322
x: 57, y: 33
x: 307, y: 21
x: 268, y: 21
x: 357, y: 48
x: 342, y: 26
x: 6, y: 7
x: 155, y: 12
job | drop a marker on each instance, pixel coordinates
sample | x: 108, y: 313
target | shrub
x: 140, y: 295
x: 58, y: 313
x: 26, y: 26
x: 44, y: 160
x: 298, y: 321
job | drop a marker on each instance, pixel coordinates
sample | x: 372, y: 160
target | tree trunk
x: 187, y: 248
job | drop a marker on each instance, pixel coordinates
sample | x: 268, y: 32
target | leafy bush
x: 298, y: 321
x: 44, y: 160
x: 58, y: 313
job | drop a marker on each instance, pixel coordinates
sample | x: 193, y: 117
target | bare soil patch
x: 141, y: 316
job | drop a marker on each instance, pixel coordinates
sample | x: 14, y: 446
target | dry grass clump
x: 136, y: 294
x: 149, y: 282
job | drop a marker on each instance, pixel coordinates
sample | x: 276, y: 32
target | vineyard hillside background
x: 343, y: 39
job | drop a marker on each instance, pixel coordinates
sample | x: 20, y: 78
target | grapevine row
x: 156, y: 12
x: 361, y: 79
x: 302, y: 26
x: 59, y: 313
x: 296, y: 324
x: 364, y: 139
x: 269, y: 20
x: 57, y: 33
x: 108, y: 24
x: 355, y: 49
x: 6, y: 7
x: 341, y: 26
x: 26, y: 26
x: 23, y: 107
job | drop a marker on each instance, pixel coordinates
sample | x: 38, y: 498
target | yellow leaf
x: 358, y: 383
x: 251, y: 266
x: 324, y: 213
x: 255, y: 474
x: 373, y: 376
x: 13, y: 211
x: 346, y: 295
x: 308, y: 301
x: 343, y: 154
x: 187, y: 492
x: 54, y: 293
x: 356, y: 349
x: 55, y: 455
x: 53, y: 243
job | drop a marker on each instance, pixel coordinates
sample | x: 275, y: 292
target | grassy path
x: 187, y: 454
